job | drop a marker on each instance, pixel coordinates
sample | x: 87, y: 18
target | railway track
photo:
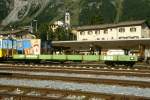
x: 78, y: 69
x: 28, y: 93
x: 78, y: 80
x: 78, y: 66
x: 140, y: 66
x: 34, y: 93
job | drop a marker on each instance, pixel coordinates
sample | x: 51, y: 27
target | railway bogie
x: 115, y: 63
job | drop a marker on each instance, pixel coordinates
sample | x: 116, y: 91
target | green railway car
x: 91, y: 58
x: 18, y: 57
x: 120, y: 60
x: 109, y: 60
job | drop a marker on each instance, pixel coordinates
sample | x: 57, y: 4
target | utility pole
x: 31, y: 27
x: 36, y: 23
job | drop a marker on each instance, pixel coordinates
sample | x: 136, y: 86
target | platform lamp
x: 32, y: 25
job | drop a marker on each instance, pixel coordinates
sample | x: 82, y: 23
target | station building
x: 130, y: 36
x: 120, y: 31
x: 17, y: 34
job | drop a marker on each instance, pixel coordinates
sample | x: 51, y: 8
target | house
x: 17, y: 34
x: 123, y: 30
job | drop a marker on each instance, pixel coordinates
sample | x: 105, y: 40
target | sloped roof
x: 11, y: 32
x: 103, y: 26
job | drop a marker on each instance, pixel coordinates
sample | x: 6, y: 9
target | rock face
x: 21, y: 8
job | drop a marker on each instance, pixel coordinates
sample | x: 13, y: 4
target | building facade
x: 122, y: 30
x: 16, y: 34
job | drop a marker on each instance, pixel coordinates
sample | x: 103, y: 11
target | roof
x: 11, y: 32
x: 103, y: 26
x: 105, y: 44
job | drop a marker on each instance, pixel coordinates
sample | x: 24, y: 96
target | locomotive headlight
x: 131, y: 58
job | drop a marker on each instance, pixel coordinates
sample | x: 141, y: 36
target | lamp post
x: 36, y: 23
x: 32, y: 25
x: 31, y: 28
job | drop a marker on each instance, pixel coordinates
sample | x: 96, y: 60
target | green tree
x: 45, y: 32
x: 136, y: 10
x: 60, y: 34
x: 90, y: 13
x: 71, y: 36
x: 3, y: 9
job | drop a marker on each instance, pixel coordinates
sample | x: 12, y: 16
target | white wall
x: 128, y: 34
x: 113, y: 33
x: 145, y: 32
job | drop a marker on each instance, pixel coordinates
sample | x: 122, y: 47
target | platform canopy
x: 104, y: 44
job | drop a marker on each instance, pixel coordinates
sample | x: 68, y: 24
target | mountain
x: 113, y: 11
x: 83, y: 12
x: 21, y: 10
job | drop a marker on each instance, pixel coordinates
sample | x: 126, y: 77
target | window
x: 105, y: 31
x: 103, y: 38
x: 67, y: 17
x: 136, y: 37
x: 90, y: 32
x: 129, y: 37
x: 122, y: 37
x: 82, y: 33
x: 84, y: 39
x: 97, y: 32
x: 122, y: 29
x: 98, y: 38
x: 133, y: 29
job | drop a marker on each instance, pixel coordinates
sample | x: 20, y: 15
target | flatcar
x: 109, y: 60
x: 28, y: 50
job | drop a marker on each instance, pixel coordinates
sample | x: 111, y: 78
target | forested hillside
x: 83, y: 12
x: 113, y: 11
